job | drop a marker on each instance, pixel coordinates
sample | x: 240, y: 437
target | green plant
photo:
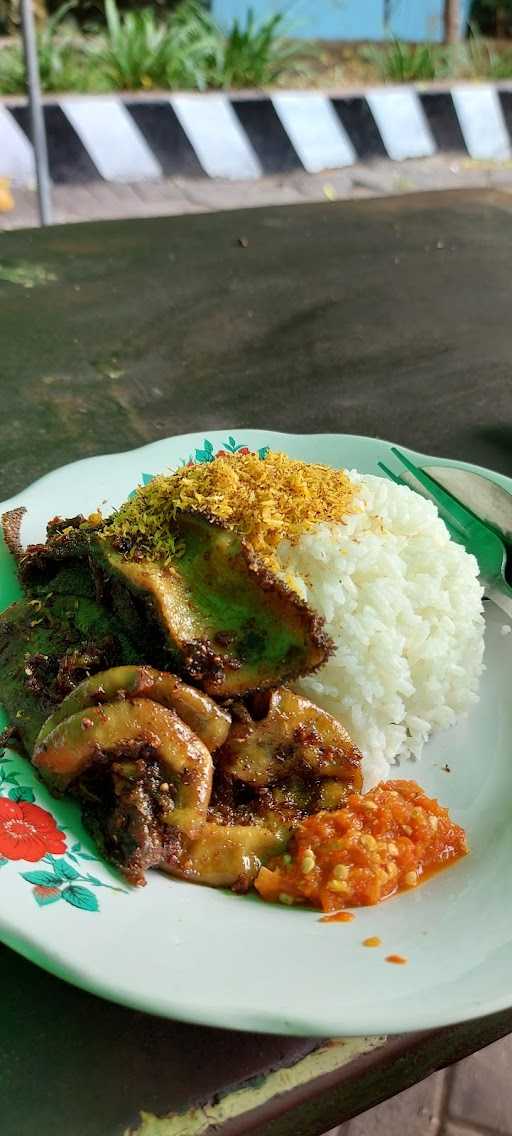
x: 483, y: 61
x: 142, y: 50
x: 62, y: 58
x: 133, y: 54
x: 256, y: 53
x: 12, y: 71
x: 401, y: 62
x: 195, y: 47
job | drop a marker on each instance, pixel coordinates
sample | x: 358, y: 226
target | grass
x: 187, y: 50
x: 401, y: 62
x: 481, y: 57
x: 140, y: 50
x: 474, y: 58
x: 64, y: 59
x: 257, y: 54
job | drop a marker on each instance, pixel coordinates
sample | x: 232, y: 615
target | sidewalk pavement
x: 472, y: 1098
x: 172, y: 196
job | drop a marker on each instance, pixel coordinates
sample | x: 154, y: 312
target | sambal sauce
x: 387, y: 841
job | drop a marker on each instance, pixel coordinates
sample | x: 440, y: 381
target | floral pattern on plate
x: 207, y: 453
x: 29, y: 833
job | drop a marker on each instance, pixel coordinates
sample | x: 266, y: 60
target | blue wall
x: 346, y: 19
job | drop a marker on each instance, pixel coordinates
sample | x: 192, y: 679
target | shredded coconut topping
x: 266, y: 500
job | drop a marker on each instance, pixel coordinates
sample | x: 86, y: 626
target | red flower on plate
x: 27, y: 832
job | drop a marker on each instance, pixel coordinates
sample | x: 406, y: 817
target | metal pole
x: 36, y: 112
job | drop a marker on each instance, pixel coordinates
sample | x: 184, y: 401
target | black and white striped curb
x: 240, y: 135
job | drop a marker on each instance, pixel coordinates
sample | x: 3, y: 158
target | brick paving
x: 472, y: 1098
x: 172, y: 196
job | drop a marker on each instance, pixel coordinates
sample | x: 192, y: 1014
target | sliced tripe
x: 227, y: 855
x: 102, y: 734
x: 210, y: 722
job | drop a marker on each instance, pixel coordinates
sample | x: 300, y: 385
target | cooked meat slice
x: 213, y: 611
x: 293, y: 736
x: 11, y: 526
x: 142, y: 777
x: 227, y: 855
x: 63, y: 555
x: 196, y: 709
x: 95, y: 734
x: 48, y: 644
x: 124, y: 806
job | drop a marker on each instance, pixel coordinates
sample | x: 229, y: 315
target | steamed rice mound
x: 403, y: 603
x: 401, y: 600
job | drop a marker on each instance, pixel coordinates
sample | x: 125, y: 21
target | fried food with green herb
x: 215, y: 612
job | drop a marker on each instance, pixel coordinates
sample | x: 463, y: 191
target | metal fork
x: 464, y: 527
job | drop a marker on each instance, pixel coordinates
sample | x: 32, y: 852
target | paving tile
x: 112, y: 202
x: 24, y: 212
x: 217, y: 194
x: 173, y: 196
x: 414, y: 1112
x: 73, y: 203
x: 166, y: 191
x: 451, y: 1129
x: 330, y: 185
x: 481, y: 1091
x: 167, y: 209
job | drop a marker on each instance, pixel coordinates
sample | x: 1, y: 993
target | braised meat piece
x: 285, y: 736
x: 145, y: 778
x: 213, y: 610
x: 196, y: 709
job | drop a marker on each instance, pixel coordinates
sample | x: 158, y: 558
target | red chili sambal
x: 389, y: 840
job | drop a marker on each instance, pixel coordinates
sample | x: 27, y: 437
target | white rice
x: 403, y: 604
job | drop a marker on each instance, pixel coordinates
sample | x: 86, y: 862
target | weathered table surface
x: 389, y: 318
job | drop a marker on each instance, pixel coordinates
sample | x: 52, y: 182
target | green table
x: 389, y: 317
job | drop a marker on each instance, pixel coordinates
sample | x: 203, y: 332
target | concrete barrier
x: 128, y: 138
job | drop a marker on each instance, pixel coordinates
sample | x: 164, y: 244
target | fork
x: 464, y: 527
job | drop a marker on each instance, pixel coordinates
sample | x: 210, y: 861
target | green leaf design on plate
x: 65, y: 871
x: 3, y: 861
x: 58, y: 866
x: 22, y: 793
x: 81, y: 897
x: 42, y: 879
x: 77, y: 850
x: 203, y: 456
x: 11, y: 778
x: 43, y: 897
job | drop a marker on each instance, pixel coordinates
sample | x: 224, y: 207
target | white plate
x: 208, y: 956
